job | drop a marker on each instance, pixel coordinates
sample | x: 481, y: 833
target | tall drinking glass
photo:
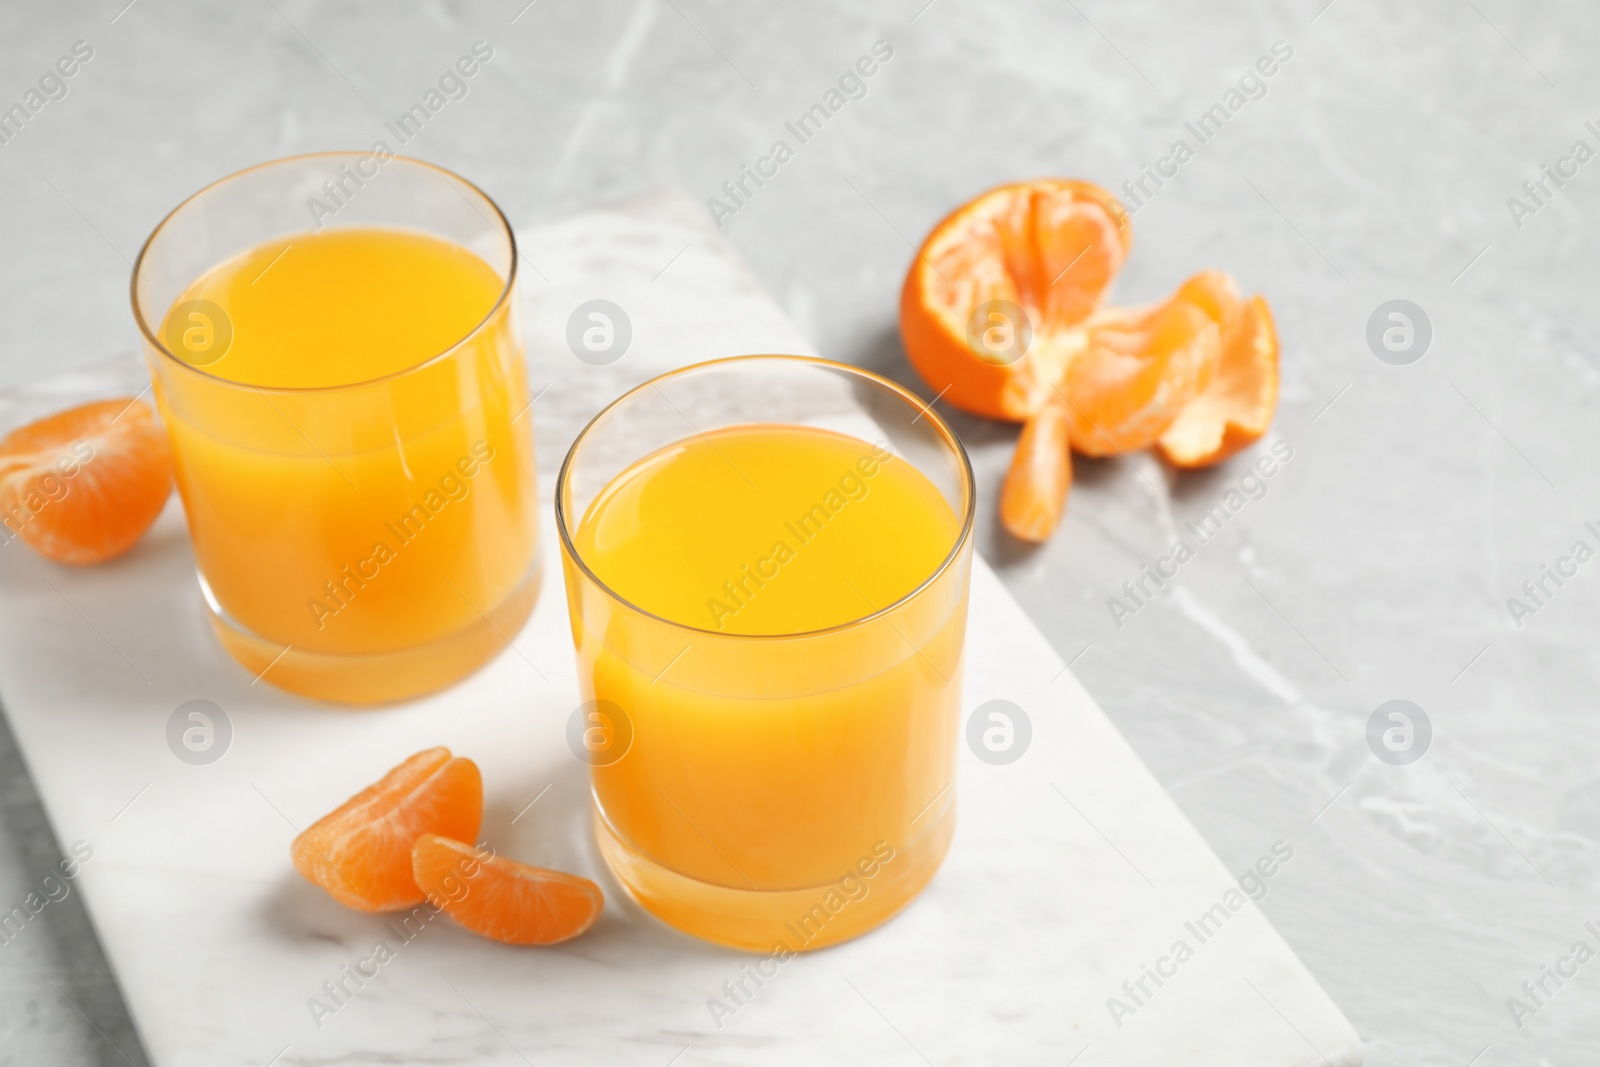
x: 334, y: 346
x: 767, y: 561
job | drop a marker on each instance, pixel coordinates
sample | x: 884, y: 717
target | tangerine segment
x: 361, y: 852
x: 1238, y: 406
x: 1214, y: 292
x: 501, y: 899
x: 989, y: 307
x: 1137, y: 372
x: 1034, y: 494
x: 83, y: 485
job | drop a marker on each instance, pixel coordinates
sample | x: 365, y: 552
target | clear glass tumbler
x: 359, y: 538
x: 771, y: 791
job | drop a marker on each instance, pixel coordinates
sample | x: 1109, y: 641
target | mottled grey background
x: 1376, y: 567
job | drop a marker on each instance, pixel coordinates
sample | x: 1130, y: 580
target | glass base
x: 380, y: 677
x: 769, y: 920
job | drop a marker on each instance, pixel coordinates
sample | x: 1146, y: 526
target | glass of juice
x: 334, y: 347
x: 767, y: 561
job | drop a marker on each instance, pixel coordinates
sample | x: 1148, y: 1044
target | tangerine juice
x: 360, y: 502
x: 787, y: 712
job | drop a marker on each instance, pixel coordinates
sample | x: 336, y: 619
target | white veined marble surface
x: 1379, y: 562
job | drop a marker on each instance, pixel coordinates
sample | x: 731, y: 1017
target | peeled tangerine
x: 501, y: 899
x: 1034, y: 493
x: 84, y: 484
x: 1138, y: 370
x: 1048, y: 249
x: 361, y: 852
x: 1002, y: 314
x: 1237, y: 408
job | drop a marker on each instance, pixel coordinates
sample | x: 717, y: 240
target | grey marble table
x: 1385, y: 159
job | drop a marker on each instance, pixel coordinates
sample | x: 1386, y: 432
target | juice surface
x: 344, y: 305
x: 767, y: 530
x: 368, y: 519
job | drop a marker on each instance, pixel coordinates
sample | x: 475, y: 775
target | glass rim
x: 155, y: 341
x: 968, y: 481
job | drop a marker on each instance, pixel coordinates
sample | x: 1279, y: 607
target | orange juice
x: 343, y: 306
x: 788, y: 778
x: 356, y: 465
